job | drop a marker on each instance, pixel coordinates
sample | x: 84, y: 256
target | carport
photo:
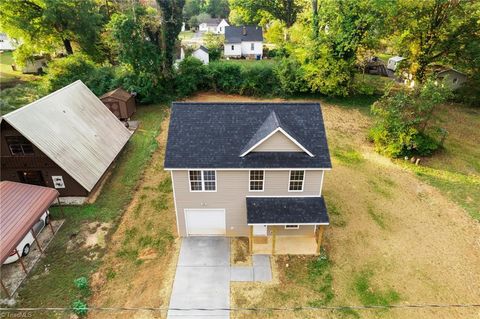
x: 21, y: 206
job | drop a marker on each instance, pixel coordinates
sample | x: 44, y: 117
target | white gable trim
x: 278, y: 129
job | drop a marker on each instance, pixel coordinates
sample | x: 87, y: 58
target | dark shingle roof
x: 286, y: 210
x: 237, y: 34
x: 213, y: 21
x: 212, y: 135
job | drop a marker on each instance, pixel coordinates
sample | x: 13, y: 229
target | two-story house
x: 215, y: 25
x: 250, y: 169
x: 245, y: 41
x: 66, y: 140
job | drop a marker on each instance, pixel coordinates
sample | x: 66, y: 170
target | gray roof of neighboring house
x: 204, y: 49
x: 213, y: 21
x: 213, y: 135
x: 286, y: 210
x: 75, y: 130
x: 243, y: 33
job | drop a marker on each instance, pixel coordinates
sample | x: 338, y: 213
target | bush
x: 224, y: 76
x: 190, y: 76
x: 61, y: 72
x: 79, y: 308
x: 402, y: 121
x: 290, y: 77
x: 148, y: 86
x: 258, y: 79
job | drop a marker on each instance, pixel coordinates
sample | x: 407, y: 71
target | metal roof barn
x: 21, y: 206
x: 74, y: 129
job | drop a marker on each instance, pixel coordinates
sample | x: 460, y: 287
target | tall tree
x: 191, y: 9
x: 172, y: 20
x: 428, y: 31
x: 217, y: 8
x: 253, y: 10
x: 44, y: 25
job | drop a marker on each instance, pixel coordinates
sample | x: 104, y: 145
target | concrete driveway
x: 202, y: 279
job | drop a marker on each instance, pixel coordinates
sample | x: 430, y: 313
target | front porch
x: 286, y: 225
x: 286, y: 245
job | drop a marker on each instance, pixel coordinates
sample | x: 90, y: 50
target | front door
x: 260, y: 230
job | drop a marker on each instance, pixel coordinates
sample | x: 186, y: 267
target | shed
x: 21, y: 205
x: 202, y: 54
x: 451, y: 77
x: 120, y: 102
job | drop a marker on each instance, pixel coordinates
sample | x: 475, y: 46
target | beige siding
x: 278, y: 142
x: 232, y: 190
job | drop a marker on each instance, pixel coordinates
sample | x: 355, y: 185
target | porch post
x: 36, y: 240
x: 5, y: 288
x: 250, y: 241
x: 320, y: 231
x: 274, y: 232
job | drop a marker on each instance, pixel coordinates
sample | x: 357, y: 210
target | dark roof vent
x: 244, y: 31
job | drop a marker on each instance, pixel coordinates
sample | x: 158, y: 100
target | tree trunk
x: 315, y: 18
x: 68, y: 46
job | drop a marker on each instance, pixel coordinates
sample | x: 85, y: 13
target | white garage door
x: 205, y: 222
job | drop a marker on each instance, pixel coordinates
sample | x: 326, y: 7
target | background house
x: 245, y: 41
x: 215, y: 25
x: 6, y: 44
x: 202, y: 54
x: 120, y: 102
x: 393, y: 62
x: 66, y: 140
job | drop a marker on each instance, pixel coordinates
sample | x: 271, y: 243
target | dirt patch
x: 239, y: 255
x: 91, y: 236
x: 140, y: 264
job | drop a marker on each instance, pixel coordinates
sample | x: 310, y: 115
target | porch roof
x: 287, y: 210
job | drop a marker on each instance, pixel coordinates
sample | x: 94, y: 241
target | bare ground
x: 406, y: 233
x: 133, y: 274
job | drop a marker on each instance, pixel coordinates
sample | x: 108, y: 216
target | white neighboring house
x: 393, y: 62
x: 6, y: 44
x: 202, y: 54
x: 245, y: 41
x: 216, y: 26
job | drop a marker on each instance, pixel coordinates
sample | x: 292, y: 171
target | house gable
x: 274, y: 136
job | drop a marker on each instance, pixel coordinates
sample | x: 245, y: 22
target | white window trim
x: 249, y: 180
x: 279, y: 129
x: 202, y: 181
x: 292, y: 226
x: 289, y: 180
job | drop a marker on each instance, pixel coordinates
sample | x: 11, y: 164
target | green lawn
x: 56, y: 287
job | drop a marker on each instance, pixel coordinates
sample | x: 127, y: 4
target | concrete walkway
x: 203, y: 276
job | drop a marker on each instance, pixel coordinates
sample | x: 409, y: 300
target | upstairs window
x: 203, y: 181
x: 19, y: 145
x: 296, y: 181
x: 256, y: 181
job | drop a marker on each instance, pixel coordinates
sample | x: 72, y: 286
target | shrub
x: 81, y: 283
x: 148, y: 86
x: 402, y: 121
x: 224, y: 76
x: 63, y: 71
x: 290, y: 77
x: 79, y: 308
x: 190, y: 76
x: 258, y: 79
